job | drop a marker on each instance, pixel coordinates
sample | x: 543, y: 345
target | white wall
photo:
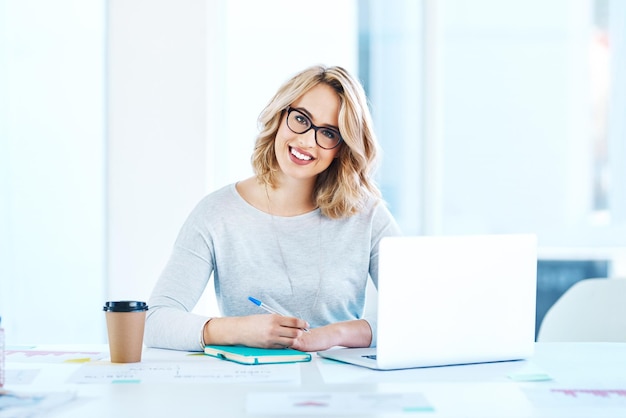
x: 397, y: 93
x: 156, y: 111
x: 515, y: 105
x: 492, y: 130
x: 52, y: 207
x: 517, y: 141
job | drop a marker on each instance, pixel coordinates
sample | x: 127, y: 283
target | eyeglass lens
x: 299, y: 123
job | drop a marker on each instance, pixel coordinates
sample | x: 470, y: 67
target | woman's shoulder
x: 372, y: 210
x: 374, y: 206
x: 223, y: 199
x: 219, y: 196
x: 226, y: 201
x: 377, y: 213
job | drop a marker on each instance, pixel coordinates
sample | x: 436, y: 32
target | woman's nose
x: 307, y: 139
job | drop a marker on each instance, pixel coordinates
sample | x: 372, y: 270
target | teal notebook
x: 250, y: 355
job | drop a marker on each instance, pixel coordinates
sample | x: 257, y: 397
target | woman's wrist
x: 223, y: 331
x: 357, y: 333
x: 202, y: 333
x: 211, y: 332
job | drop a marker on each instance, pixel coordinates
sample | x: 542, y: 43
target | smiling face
x: 298, y: 155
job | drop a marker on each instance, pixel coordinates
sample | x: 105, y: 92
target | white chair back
x: 592, y: 310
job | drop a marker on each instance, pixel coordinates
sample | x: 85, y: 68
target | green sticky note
x: 530, y: 377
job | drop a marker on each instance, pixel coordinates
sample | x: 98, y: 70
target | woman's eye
x: 302, y: 120
x: 329, y: 134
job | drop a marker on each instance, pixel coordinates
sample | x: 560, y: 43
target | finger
x: 284, y: 343
x: 291, y: 333
x: 292, y: 322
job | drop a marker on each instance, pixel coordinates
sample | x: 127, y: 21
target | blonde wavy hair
x: 343, y: 188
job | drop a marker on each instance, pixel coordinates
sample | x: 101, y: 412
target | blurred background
x: 117, y: 117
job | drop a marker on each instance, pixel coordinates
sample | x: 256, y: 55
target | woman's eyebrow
x: 306, y: 112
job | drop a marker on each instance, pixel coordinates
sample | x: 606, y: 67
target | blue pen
x: 270, y: 309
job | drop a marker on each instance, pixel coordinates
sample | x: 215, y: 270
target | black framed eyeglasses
x: 300, y: 123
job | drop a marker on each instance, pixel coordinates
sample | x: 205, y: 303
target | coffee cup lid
x: 125, y: 306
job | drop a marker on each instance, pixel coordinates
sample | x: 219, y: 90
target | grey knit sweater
x: 311, y: 266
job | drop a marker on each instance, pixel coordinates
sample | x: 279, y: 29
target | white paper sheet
x: 206, y: 371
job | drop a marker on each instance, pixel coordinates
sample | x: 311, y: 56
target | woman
x: 301, y: 235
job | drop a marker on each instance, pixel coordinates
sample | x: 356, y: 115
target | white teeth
x: 300, y: 156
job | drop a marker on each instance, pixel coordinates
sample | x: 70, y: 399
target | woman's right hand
x: 263, y: 330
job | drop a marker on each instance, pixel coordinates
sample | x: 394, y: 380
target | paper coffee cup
x: 125, y: 325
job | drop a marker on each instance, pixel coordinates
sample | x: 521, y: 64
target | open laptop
x: 445, y: 300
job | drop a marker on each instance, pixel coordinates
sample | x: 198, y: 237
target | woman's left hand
x: 355, y: 333
x: 317, y: 339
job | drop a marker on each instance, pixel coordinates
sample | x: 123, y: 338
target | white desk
x: 585, y: 380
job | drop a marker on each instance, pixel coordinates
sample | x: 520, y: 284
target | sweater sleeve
x: 170, y: 322
x: 383, y: 225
